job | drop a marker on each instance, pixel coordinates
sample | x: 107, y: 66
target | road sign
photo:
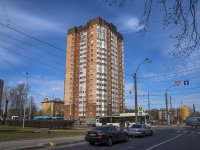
x: 140, y: 109
x: 186, y: 82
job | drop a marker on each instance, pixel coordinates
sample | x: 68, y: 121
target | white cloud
x: 48, y: 87
x: 127, y: 24
x: 31, y: 22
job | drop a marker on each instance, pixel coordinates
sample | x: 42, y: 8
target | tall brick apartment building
x: 94, y: 78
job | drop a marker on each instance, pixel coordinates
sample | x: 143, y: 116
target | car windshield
x: 136, y: 126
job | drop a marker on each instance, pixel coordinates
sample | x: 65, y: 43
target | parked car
x: 140, y: 130
x: 106, y: 135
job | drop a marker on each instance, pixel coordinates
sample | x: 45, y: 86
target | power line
x: 4, y: 11
x: 32, y: 46
x: 31, y: 52
x: 33, y: 60
x: 33, y: 37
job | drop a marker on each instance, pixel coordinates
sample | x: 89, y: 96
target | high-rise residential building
x: 94, y: 77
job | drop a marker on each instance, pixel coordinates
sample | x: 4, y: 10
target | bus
x: 123, y: 120
x: 48, y: 118
x: 15, y: 117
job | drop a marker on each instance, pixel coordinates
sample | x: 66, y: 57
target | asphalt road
x: 171, y: 138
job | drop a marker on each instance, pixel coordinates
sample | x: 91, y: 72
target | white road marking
x: 199, y: 133
x: 178, y: 131
x: 131, y: 147
x: 164, y: 142
x: 185, y: 131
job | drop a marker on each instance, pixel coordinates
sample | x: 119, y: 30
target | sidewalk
x: 40, y: 143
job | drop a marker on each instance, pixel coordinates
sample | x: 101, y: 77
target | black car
x: 106, y: 135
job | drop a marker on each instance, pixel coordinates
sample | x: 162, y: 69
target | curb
x: 45, y: 145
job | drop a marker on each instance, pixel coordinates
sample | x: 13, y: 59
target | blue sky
x: 34, y: 41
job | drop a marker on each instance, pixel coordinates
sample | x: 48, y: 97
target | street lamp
x: 135, y: 86
x: 26, y: 97
x: 167, y: 109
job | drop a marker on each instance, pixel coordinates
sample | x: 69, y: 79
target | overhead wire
x: 33, y: 59
x: 31, y: 52
x: 33, y: 46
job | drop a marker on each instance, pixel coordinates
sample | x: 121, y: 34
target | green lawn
x: 11, y: 133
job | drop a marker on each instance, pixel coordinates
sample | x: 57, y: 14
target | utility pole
x: 5, y: 111
x: 167, y: 109
x: 149, y: 106
x: 170, y: 113
x: 1, y: 93
x: 30, y: 109
x: 194, y: 110
x: 136, y: 107
x: 25, y: 98
x: 135, y: 87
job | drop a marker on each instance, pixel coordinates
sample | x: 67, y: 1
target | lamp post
x: 135, y: 87
x: 25, y: 98
x: 167, y: 109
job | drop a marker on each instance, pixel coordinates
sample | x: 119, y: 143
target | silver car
x: 140, y: 130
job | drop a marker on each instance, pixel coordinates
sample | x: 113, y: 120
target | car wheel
x: 151, y: 133
x: 126, y: 138
x: 92, y: 143
x: 110, y: 141
x: 143, y: 135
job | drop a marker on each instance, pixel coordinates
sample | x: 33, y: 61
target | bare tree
x: 17, y: 100
x: 181, y: 13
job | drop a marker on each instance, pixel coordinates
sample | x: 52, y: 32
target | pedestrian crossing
x: 188, y: 132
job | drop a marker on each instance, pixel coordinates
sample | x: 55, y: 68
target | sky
x: 33, y: 35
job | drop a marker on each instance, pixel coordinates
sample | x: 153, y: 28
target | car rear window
x: 136, y: 126
x: 101, y: 128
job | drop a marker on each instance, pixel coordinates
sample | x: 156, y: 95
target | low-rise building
x: 53, y: 107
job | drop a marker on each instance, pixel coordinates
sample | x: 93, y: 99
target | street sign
x: 140, y: 109
x: 186, y: 82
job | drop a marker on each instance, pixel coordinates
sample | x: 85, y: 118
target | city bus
x: 123, y: 120
x: 48, y: 118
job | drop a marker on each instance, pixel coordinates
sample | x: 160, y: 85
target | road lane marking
x: 163, y: 142
x: 185, y: 131
x: 199, y: 133
x: 178, y: 131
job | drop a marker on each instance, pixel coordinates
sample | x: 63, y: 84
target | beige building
x: 52, y: 107
x: 94, y: 78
